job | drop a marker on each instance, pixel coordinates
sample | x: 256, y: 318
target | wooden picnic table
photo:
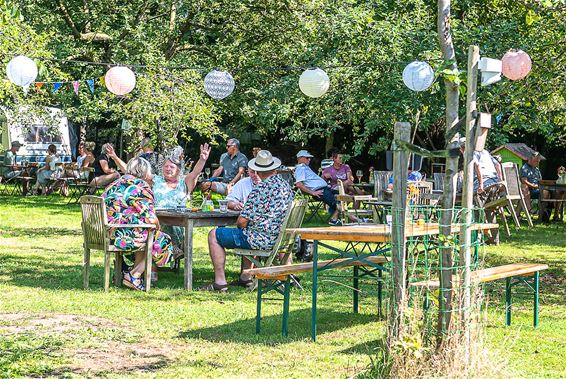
x: 186, y: 218
x: 378, y: 233
x: 550, y: 185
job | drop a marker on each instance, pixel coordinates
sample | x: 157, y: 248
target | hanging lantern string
x: 206, y: 69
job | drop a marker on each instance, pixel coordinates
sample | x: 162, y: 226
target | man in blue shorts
x: 258, y: 225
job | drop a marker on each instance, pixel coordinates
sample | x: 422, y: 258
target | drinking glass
x: 223, y: 206
x: 207, y: 172
x: 359, y: 174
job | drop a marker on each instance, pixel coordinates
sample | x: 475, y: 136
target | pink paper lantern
x: 516, y: 64
x: 120, y: 80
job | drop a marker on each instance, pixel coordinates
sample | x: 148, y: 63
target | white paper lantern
x: 21, y: 71
x: 314, y: 82
x: 418, y: 76
x: 219, y: 84
x: 120, y: 80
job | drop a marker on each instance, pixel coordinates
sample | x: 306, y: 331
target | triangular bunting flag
x: 101, y: 80
x: 90, y: 83
x: 39, y: 85
x: 56, y: 86
x: 76, y: 85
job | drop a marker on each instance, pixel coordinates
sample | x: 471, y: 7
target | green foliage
x: 363, y: 46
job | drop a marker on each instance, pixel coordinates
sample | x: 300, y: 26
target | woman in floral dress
x: 130, y: 200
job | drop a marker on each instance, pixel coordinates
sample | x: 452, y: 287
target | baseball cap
x: 16, y: 144
x: 304, y: 153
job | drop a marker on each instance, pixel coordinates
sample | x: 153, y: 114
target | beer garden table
x: 184, y: 217
x: 380, y: 234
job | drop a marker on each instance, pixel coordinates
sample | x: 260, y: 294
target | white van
x: 36, y: 136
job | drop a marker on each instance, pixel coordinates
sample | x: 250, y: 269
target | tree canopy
x: 265, y: 45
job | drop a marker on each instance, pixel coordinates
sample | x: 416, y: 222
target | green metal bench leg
x: 258, y: 307
x: 536, y: 287
x: 379, y: 293
x: 356, y: 287
x: 314, y: 288
x: 508, y: 301
x: 286, y: 294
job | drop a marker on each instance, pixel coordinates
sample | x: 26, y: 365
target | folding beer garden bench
x: 516, y: 273
x: 278, y: 278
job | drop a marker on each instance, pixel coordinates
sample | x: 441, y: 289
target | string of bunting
x: 313, y: 82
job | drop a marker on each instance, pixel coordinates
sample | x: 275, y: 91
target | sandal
x: 178, y: 253
x: 130, y: 282
x: 214, y: 287
x: 247, y: 284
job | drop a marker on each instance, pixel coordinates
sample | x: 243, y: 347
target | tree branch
x: 68, y: 20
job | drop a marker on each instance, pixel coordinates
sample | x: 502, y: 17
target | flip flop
x: 214, y: 287
x: 130, y: 282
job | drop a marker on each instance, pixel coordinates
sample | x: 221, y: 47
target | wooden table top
x: 551, y: 183
x: 188, y: 213
x: 376, y: 232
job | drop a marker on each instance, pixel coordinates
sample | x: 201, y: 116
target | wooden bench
x: 520, y: 271
x: 279, y: 276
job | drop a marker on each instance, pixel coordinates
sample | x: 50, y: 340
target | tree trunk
x: 448, y: 197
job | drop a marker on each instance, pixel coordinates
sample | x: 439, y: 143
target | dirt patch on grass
x: 92, y: 345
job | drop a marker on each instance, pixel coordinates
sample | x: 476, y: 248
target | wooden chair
x: 513, y: 194
x: 357, y: 200
x: 284, y: 243
x: 79, y: 186
x: 381, y: 181
x: 96, y: 233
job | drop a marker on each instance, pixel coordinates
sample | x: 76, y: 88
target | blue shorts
x: 535, y: 193
x: 232, y: 238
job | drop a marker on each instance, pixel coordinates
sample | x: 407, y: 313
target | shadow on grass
x: 243, y: 331
x: 53, y: 202
x: 34, y: 271
x: 40, y: 232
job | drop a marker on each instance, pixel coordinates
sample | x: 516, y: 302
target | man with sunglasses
x: 310, y: 183
x: 232, y: 168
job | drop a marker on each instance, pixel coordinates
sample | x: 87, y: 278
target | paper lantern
x: 219, y: 84
x: 314, y: 82
x: 516, y: 64
x: 120, y: 80
x: 21, y: 71
x: 418, y: 76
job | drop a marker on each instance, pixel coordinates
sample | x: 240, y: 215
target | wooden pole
x: 402, y: 132
x: 467, y: 196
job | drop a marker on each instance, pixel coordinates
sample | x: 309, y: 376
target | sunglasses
x: 229, y: 146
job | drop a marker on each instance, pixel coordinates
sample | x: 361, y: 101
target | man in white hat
x: 258, y: 225
x: 309, y: 182
x: 7, y: 170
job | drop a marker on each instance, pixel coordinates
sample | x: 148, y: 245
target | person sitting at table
x: 259, y: 222
x: 105, y: 169
x: 171, y: 190
x: 232, y: 168
x: 147, y: 152
x: 412, y: 177
x: 342, y: 171
x: 487, y: 186
x: 240, y: 192
x: 561, y: 172
x: 8, y: 169
x: 310, y: 183
x: 45, y: 172
x: 530, y: 176
x: 130, y: 200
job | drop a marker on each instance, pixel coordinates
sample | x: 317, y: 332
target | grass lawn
x: 49, y: 325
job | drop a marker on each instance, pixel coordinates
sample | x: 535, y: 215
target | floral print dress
x: 129, y: 200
